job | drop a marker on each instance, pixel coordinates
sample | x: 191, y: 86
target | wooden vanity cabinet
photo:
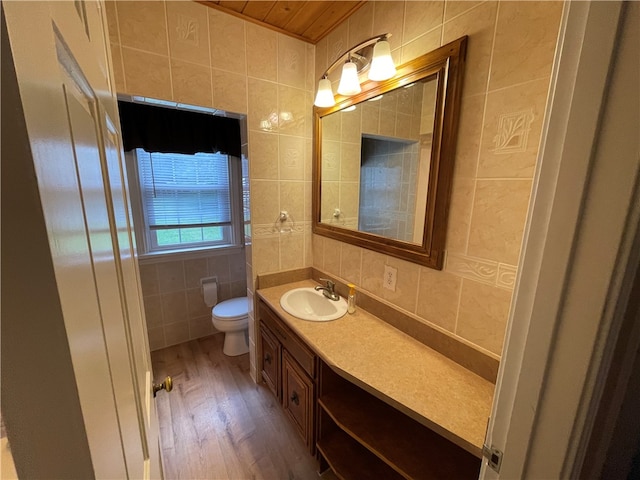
x: 270, y: 360
x: 288, y: 367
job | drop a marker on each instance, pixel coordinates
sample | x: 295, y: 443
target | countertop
x: 415, y: 379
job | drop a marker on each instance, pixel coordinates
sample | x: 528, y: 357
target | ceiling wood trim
x: 309, y: 21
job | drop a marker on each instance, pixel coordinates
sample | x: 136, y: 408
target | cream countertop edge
x: 422, y: 383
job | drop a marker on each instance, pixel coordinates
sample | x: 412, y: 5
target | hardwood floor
x: 218, y: 424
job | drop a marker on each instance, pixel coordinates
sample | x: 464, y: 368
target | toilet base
x: 235, y: 343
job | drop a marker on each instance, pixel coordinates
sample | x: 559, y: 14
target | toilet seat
x: 230, y: 310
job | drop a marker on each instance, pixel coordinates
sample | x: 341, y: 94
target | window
x: 188, y: 202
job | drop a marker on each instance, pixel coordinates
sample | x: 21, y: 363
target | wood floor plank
x: 218, y: 424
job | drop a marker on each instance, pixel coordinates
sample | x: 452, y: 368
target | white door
x: 578, y: 256
x: 63, y: 69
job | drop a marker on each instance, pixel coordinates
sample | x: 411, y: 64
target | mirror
x: 383, y: 159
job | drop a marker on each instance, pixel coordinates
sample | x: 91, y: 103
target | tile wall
x: 509, y: 59
x: 186, y: 52
x: 173, y: 302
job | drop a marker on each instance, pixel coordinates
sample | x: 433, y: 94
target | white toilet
x: 232, y: 318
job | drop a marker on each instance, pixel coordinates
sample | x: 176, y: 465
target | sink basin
x: 309, y: 304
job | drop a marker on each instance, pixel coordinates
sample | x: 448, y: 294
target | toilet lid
x: 233, y: 309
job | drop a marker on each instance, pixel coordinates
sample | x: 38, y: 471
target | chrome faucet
x: 329, y: 290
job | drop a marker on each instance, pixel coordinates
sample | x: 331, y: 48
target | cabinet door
x: 270, y: 359
x: 297, y: 398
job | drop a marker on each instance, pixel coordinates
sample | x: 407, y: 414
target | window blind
x: 183, y: 191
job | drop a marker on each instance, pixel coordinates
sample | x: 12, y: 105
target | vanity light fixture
x: 373, y: 54
x: 324, y: 97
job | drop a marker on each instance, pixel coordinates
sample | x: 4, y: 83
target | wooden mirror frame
x: 447, y: 62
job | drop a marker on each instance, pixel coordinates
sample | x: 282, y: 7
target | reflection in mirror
x: 383, y: 159
x: 375, y: 163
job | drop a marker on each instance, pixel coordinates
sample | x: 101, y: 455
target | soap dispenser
x: 351, y: 299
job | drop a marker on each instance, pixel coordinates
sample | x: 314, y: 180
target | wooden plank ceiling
x: 306, y: 20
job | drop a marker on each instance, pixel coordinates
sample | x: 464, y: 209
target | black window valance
x: 169, y: 130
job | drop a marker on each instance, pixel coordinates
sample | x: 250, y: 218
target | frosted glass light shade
x: 349, y: 84
x: 382, y: 67
x: 324, y: 97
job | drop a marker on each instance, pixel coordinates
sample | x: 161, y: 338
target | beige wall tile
x: 479, y: 24
x: 291, y: 194
x: 352, y: 126
x: 195, y: 304
x: 264, y: 154
x: 371, y: 117
x: 229, y: 91
x: 469, y: 136
x: 332, y: 127
x: 200, y: 327
x: 118, y: 71
x: 337, y: 43
x: 188, y: 32
x: 332, y: 256
x: 291, y: 110
x: 526, y: 36
x: 506, y: 275
x: 321, y: 62
x: 262, y: 53
x: 237, y: 267
x: 147, y: 74
x: 266, y: 205
x: 263, y: 105
x: 477, y: 269
x: 291, y: 160
x: 455, y: 8
x: 191, y: 83
x: 170, y: 276
x: 153, y: 310
x: 351, y: 263
x: 330, y: 200
x: 176, y: 333
x: 291, y: 251
x: 266, y: 255
x: 349, y: 199
x: 420, y: 17
x: 317, y: 244
x: 112, y: 22
x: 227, y: 42
x: 497, y: 222
x: 310, y: 80
x: 218, y: 266
x: 149, y: 280
x: 174, y: 307
x: 156, y: 338
x: 438, y: 295
x: 512, y: 128
x: 372, y: 272
x: 194, y: 270
x: 460, y: 214
x: 361, y: 24
x: 308, y: 247
x: 406, y: 292
x: 350, y: 162
x: 143, y: 26
x: 291, y: 61
x: 388, y: 17
x: 483, y: 314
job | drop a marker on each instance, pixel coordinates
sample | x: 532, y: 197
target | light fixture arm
x: 352, y: 53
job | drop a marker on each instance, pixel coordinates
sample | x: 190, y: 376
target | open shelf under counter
x: 351, y: 461
x: 411, y: 449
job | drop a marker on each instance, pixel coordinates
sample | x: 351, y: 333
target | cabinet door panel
x: 297, y: 398
x: 270, y: 360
